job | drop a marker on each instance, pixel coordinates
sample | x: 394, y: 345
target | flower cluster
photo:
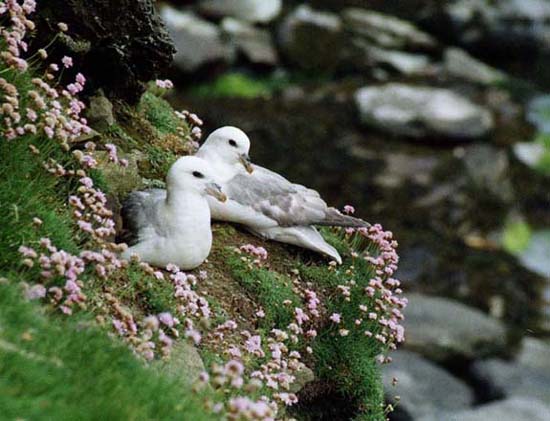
x: 195, y: 132
x: 54, y: 112
x: 258, y: 253
x: 376, y: 301
x: 53, y: 265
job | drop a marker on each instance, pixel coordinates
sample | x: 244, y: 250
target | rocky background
x: 430, y: 117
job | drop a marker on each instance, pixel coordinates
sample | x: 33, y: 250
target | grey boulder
x: 420, y: 111
x: 441, y: 329
x: 197, y: 41
x: 423, y: 387
x: 312, y: 39
x: 260, y: 11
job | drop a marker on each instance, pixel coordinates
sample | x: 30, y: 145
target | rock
x: 441, y: 329
x: 517, y: 25
x: 530, y: 153
x: 118, y: 45
x: 404, y: 168
x: 385, y: 30
x: 184, y: 363
x: 121, y: 180
x: 303, y: 376
x: 459, y: 64
x: 99, y: 112
x: 423, y: 387
x: 535, y: 256
x: 409, y: 270
x: 248, y: 10
x: 365, y: 55
x: 535, y: 353
x: 538, y: 113
x: 255, y: 44
x: 488, y: 169
x: 311, y: 39
x: 514, y: 409
x: 511, y: 379
x: 197, y: 41
x: 422, y: 111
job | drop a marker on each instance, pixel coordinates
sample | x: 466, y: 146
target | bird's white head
x: 193, y: 174
x: 230, y: 145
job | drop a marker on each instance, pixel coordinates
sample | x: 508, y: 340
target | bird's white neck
x: 186, y: 205
x: 224, y: 170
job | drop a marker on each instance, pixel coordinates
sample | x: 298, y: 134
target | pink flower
x: 349, y: 209
x: 336, y: 318
x: 67, y: 61
x: 35, y: 292
x: 166, y: 318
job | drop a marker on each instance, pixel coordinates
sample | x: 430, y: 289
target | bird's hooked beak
x: 245, y: 160
x: 215, y: 190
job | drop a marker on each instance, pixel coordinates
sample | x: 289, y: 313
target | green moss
x: 159, y: 113
x: 269, y: 288
x: 516, y: 236
x: 65, y: 369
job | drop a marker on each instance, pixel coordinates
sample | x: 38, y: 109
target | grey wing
x: 139, y: 213
x: 274, y: 196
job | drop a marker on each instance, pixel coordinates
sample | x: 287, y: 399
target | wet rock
x: 184, y: 363
x: 100, y: 112
x: 248, y: 10
x: 423, y: 387
x: 538, y: 113
x: 197, y: 41
x: 514, y: 409
x: 312, y: 39
x: 255, y: 44
x: 459, y: 64
x: 409, y: 270
x: 505, y: 24
x: 441, y: 329
x: 402, y: 168
x: 119, y: 45
x: 488, y: 170
x: 511, y: 379
x: 385, y: 30
x: 365, y: 55
x: 422, y: 111
x: 535, y: 256
x: 535, y: 353
x: 530, y: 153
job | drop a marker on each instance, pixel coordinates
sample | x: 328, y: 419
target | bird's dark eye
x: 198, y: 174
x: 232, y: 143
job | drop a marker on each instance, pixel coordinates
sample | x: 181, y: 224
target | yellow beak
x: 245, y: 160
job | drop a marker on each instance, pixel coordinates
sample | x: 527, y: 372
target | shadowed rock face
x: 117, y: 44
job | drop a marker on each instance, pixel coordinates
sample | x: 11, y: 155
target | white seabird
x: 263, y: 201
x: 174, y: 227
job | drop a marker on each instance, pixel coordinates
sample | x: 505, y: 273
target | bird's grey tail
x: 335, y: 218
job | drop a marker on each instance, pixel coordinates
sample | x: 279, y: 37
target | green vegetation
x: 53, y: 366
x: 348, y: 361
x: 28, y: 191
x: 516, y: 236
x: 159, y: 113
x: 269, y: 288
x: 240, y: 85
x: 544, y: 162
x: 67, y: 369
